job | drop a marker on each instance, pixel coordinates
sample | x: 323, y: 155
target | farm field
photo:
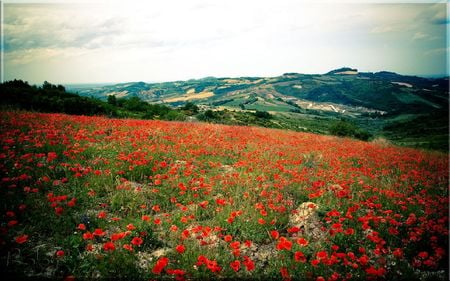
x: 93, y: 198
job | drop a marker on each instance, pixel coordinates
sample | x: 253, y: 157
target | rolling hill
x: 407, y: 110
x: 342, y: 91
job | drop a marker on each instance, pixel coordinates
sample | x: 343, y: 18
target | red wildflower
x: 398, y: 253
x: 51, y: 156
x: 228, y: 238
x: 88, y: 236
x: 59, y: 210
x: 101, y: 215
x: 21, y: 239
x: 363, y: 260
x: 180, y: 248
x: 89, y: 247
x: 60, y: 253
x: 284, y: 244
x: 118, y: 236
x: 299, y: 257
x: 99, y: 232
x: 322, y: 255
x: 161, y: 263
x: 235, y: 245
x: 315, y: 262
x: 109, y: 246
x: 137, y: 241
x: 203, y: 204
x: 302, y: 242
x: 235, y: 265
x: 284, y: 273
x: 274, y: 234
x: 293, y: 229
x: 249, y: 264
x: 349, y: 231
x: 423, y: 255
x: 72, y: 202
x: 128, y: 247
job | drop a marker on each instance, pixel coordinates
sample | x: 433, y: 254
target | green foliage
x: 263, y: 114
x: 346, y: 129
x: 190, y: 108
x: 112, y: 100
x: 208, y: 115
x: 18, y: 94
x: 50, y: 98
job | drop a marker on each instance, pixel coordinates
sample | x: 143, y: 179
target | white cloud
x: 169, y: 40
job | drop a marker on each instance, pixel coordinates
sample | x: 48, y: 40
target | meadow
x: 94, y: 198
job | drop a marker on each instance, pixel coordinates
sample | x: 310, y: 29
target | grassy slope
x: 226, y: 194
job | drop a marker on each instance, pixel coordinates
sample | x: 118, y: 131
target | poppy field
x: 94, y: 198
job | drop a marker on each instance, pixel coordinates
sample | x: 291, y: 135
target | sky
x: 168, y: 40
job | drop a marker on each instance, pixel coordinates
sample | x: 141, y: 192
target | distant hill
x: 385, y: 103
x: 343, y: 90
x: 406, y: 110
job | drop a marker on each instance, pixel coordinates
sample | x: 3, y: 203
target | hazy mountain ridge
x: 344, y: 91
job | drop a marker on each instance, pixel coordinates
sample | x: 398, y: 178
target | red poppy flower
x: 109, y: 246
x: 284, y: 272
x: 293, y: 229
x: 180, y: 248
x: 274, y: 234
x: 235, y: 265
x: 235, y: 245
x: 302, y: 242
x: 284, y: 244
x: 228, y: 238
x: 249, y: 264
x: 88, y: 236
x: 322, y: 255
x: 21, y: 239
x: 99, y: 232
x: 299, y: 257
x: 160, y: 265
x: 137, y: 241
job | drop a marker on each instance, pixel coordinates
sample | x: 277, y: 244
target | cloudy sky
x: 111, y: 41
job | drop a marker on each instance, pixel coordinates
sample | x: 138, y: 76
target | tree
x: 47, y: 85
x: 61, y: 88
x: 263, y: 114
x: 112, y: 100
x: 210, y: 114
x: 346, y: 129
x: 190, y: 107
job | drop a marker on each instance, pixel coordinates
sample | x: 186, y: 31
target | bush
x: 190, y: 108
x: 346, y: 129
x: 263, y: 114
